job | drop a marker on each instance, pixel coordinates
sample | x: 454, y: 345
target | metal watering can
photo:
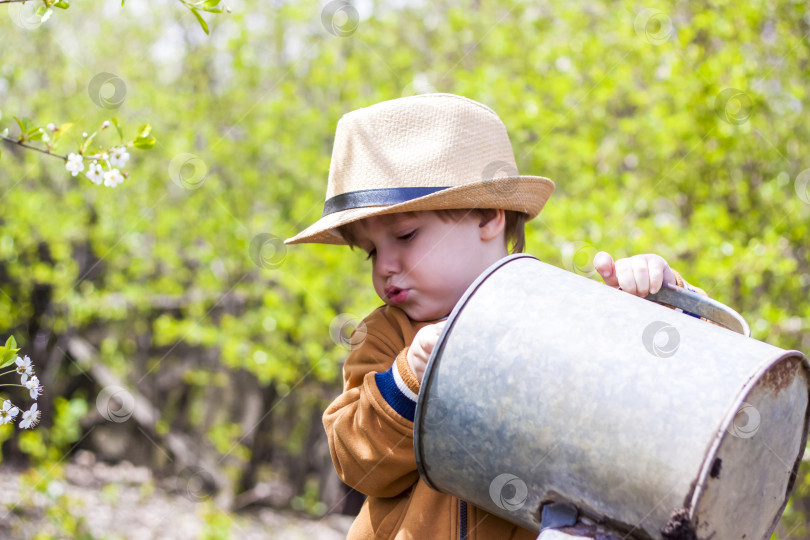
x: 555, y: 401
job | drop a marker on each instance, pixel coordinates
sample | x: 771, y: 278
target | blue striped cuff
x: 393, y: 395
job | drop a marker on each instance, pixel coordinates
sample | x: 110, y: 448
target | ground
x: 95, y: 501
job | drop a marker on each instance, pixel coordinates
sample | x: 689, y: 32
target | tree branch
x: 20, y: 143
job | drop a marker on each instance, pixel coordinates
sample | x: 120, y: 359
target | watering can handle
x: 700, y: 306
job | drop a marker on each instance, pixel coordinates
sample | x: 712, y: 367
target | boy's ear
x: 492, y: 224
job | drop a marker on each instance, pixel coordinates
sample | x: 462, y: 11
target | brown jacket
x: 370, y: 432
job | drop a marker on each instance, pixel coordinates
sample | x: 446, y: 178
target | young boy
x: 413, y: 182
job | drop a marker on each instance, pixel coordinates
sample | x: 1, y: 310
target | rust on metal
x: 679, y: 527
x: 781, y: 375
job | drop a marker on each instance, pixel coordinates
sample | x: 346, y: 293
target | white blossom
x: 113, y: 178
x: 8, y: 412
x: 120, y: 156
x: 30, y: 418
x: 33, y: 387
x: 74, y: 164
x: 51, y: 126
x: 94, y: 173
x: 24, y: 368
x: 105, y: 124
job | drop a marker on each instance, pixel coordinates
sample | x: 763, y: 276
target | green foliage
x: 8, y: 352
x: 45, y: 11
x: 649, y: 149
x: 218, y: 524
x: 309, y: 501
x: 50, y: 445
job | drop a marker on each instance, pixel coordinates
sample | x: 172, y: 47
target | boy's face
x: 422, y: 264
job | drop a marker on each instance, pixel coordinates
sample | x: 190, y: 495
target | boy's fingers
x: 428, y: 346
x: 625, y: 277
x: 429, y: 335
x: 603, y: 263
x: 641, y: 275
x: 656, y: 276
x: 669, y: 275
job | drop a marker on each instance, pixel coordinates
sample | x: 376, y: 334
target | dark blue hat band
x: 376, y: 197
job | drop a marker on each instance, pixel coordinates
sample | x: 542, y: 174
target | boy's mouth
x: 396, y: 295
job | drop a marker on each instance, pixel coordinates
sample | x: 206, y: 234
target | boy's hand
x: 639, y: 274
x: 422, y: 346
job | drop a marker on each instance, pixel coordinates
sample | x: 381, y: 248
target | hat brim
x: 527, y: 194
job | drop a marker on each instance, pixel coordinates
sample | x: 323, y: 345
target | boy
x: 412, y: 182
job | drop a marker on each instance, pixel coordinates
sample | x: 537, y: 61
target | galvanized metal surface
x: 549, y: 387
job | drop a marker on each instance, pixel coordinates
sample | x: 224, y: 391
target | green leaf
x: 37, y: 134
x: 118, y: 128
x: 8, y: 353
x: 144, y: 143
x: 143, y: 131
x: 24, y: 124
x: 87, y: 142
x: 59, y: 133
x: 62, y: 4
x: 200, y: 20
x: 7, y: 357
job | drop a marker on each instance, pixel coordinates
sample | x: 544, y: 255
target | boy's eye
x: 407, y: 236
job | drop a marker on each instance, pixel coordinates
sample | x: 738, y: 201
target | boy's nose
x: 388, y: 263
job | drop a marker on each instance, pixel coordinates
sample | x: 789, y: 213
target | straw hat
x: 425, y: 152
